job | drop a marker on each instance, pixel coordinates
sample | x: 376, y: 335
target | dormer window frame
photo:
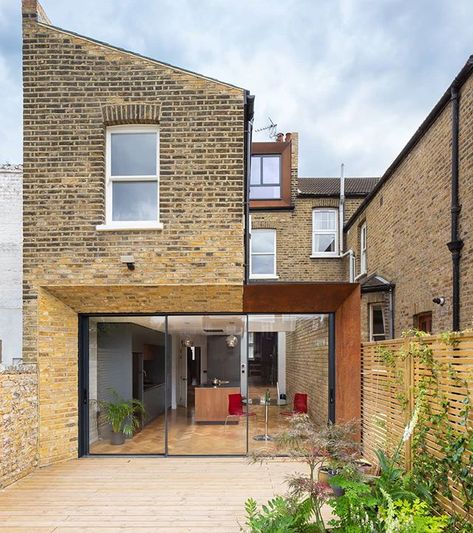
x: 263, y: 183
x: 283, y: 151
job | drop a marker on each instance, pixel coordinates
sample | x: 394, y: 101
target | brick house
x: 412, y: 234
x: 136, y: 261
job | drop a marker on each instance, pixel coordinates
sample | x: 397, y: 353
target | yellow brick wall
x: 58, y: 380
x: 294, y: 241
x: 408, y: 226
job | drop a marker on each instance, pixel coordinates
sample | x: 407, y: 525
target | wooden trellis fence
x: 388, y: 393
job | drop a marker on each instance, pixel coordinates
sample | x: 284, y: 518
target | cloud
x: 354, y: 77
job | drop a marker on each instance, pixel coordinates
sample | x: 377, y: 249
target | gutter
x: 460, y: 79
x: 248, y: 134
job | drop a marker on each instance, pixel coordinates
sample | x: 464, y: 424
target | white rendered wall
x: 11, y: 238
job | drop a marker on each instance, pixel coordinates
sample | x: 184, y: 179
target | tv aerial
x: 271, y: 128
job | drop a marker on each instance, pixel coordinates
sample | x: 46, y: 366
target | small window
x: 363, y: 240
x: 324, y: 233
x: 377, y: 323
x: 132, y: 177
x: 423, y: 322
x: 263, y: 253
x: 265, y: 180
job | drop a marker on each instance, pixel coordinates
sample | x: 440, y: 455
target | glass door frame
x: 83, y: 377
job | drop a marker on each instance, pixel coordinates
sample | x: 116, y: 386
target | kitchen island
x: 211, y: 403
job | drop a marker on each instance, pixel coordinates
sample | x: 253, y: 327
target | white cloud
x: 354, y: 77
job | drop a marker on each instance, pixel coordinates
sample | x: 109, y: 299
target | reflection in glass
x: 135, y: 200
x: 133, y: 154
x: 127, y: 362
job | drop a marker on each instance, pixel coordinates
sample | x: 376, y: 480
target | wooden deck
x: 139, y: 495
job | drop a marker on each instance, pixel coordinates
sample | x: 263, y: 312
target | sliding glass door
x: 220, y: 384
x: 208, y: 385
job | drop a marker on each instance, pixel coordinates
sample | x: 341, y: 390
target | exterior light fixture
x: 232, y: 341
x: 440, y: 300
x: 129, y: 261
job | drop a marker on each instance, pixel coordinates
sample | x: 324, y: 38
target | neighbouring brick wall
x: 70, y: 86
x: 294, y: 240
x: 307, y: 353
x: 10, y: 263
x: 408, y: 226
x: 18, y: 422
x: 58, y: 379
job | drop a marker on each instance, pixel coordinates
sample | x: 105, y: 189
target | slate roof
x: 331, y: 186
x: 376, y: 283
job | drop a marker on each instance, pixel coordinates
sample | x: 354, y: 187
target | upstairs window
x: 324, y: 233
x: 363, y: 240
x: 265, y: 180
x: 263, y: 253
x: 132, y: 172
x: 377, y: 323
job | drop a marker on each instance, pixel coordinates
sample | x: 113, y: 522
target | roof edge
x: 457, y: 83
x: 135, y: 54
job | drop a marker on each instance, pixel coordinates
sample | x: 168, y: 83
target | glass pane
x: 324, y: 220
x: 262, y: 264
x: 127, y: 362
x: 378, y: 322
x: 135, y: 200
x: 271, y: 169
x: 255, y: 170
x: 265, y: 193
x: 290, y: 355
x: 208, y: 414
x: 262, y: 241
x: 134, y: 154
x: 324, y: 243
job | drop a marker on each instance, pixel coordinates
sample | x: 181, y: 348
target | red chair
x: 299, y: 405
x: 235, y: 407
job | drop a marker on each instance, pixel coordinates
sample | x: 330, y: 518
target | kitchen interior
x: 209, y: 357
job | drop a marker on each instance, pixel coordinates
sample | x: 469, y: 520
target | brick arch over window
x: 114, y: 115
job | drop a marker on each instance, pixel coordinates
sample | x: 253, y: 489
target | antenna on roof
x: 271, y: 129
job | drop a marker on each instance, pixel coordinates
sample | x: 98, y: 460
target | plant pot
x: 117, y: 438
x: 323, y: 475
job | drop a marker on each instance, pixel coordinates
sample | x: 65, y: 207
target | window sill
x: 132, y: 226
x: 325, y: 256
x: 264, y: 276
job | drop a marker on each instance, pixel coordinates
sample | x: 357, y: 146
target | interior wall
x: 307, y: 354
x: 223, y: 362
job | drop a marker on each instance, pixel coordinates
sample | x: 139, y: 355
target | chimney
x: 280, y: 137
x: 32, y: 10
x: 293, y: 138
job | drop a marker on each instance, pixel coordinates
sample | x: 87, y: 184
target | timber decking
x: 141, y: 495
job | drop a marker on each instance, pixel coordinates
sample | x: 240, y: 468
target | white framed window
x: 377, y: 324
x: 363, y: 240
x: 263, y: 253
x: 325, y: 233
x: 132, y: 178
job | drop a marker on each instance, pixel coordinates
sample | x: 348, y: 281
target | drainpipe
x: 456, y: 244
x: 391, y: 312
x: 351, y: 263
x: 341, y: 209
x: 248, y: 132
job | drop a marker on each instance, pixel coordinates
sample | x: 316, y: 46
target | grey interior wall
x: 223, y: 362
x: 114, y: 360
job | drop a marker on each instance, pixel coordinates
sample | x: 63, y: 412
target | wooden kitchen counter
x: 211, y: 403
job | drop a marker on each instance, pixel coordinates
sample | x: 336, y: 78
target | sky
x: 355, y: 78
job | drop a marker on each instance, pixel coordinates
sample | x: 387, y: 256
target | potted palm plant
x: 123, y: 415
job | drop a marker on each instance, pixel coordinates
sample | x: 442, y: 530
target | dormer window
x: 270, y: 175
x: 265, y: 181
